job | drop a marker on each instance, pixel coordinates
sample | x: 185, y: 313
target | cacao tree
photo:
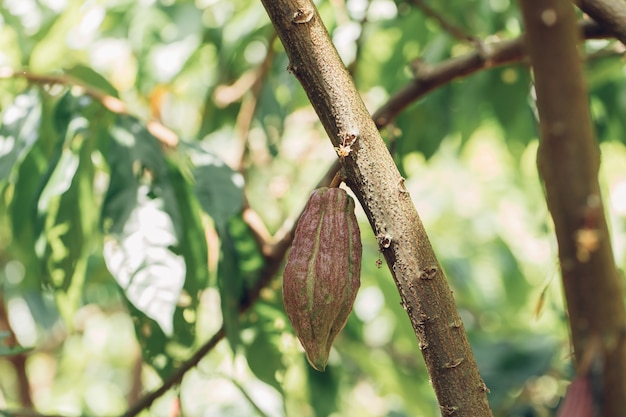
x: 155, y: 158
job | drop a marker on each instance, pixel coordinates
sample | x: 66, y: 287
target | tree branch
x: 175, y: 379
x: 163, y: 134
x: 609, y: 13
x: 435, y: 76
x: 568, y: 161
x: 375, y: 180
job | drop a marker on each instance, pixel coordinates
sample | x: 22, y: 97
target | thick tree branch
x: 568, y: 160
x: 609, y: 13
x: 432, y: 77
x: 374, y: 178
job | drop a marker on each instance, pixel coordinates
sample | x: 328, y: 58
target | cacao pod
x: 578, y: 401
x: 322, y: 273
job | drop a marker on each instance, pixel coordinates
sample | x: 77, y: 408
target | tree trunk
x: 568, y: 159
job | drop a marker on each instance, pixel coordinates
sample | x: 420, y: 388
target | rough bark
x: 568, y: 160
x: 375, y: 180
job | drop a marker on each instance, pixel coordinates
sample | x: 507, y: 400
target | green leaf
x: 263, y: 352
x: 29, y: 180
x: 218, y: 188
x: 66, y: 222
x: 92, y: 78
x: 238, y: 270
x: 230, y: 283
x: 193, y: 248
x: 135, y: 158
x: 155, y: 248
x: 19, y: 130
x: 323, y: 385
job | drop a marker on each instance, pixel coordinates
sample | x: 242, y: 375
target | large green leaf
x: 66, y: 204
x: 140, y: 259
x: 155, y: 246
x: 143, y: 222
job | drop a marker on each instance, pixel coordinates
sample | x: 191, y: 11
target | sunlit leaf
x: 151, y: 275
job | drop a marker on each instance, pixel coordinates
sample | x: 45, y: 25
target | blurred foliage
x: 120, y: 256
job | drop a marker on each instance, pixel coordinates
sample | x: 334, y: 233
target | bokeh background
x: 214, y: 73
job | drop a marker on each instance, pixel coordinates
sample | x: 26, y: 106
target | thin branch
x: 609, y: 13
x: 163, y: 134
x: 253, y: 404
x: 20, y: 412
x: 454, y: 30
x: 432, y: 77
x: 262, y: 236
x: 250, y: 101
x: 177, y: 376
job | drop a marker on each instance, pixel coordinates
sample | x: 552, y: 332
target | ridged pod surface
x: 322, y: 274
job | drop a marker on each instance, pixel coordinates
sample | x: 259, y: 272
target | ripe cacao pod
x: 322, y: 274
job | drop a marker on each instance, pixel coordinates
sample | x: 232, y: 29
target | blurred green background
x: 120, y: 257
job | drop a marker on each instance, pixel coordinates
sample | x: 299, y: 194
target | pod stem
x: 339, y: 177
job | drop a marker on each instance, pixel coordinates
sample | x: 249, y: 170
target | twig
x: 437, y: 75
x: 253, y: 403
x: 250, y: 101
x: 20, y: 412
x: 455, y: 31
x: 262, y: 236
x: 177, y: 376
